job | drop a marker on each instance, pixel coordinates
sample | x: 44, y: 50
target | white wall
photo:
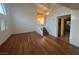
x: 38, y: 28
x: 51, y: 20
x: 74, y: 30
x: 5, y: 34
x: 20, y: 18
x: 74, y: 33
x: 24, y: 18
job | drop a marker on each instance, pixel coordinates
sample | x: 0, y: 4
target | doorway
x: 59, y: 26
x: 64, y: 23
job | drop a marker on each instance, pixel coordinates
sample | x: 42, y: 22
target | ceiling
x: 71, y: 5
x: 43, y: 8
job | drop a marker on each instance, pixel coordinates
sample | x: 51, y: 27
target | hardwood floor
x: 34, y: 44
x: 65, y: 38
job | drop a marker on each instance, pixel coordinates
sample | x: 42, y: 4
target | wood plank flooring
x: 34, y: 44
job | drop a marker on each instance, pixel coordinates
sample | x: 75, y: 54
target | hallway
x: 33, y: 44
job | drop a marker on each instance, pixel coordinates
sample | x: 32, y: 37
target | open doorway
x: 63, y: 25
x: 59, y: 27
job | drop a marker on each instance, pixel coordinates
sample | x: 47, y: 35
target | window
x: 2, y: 18
x: 2, y: 25
x: 2, y: 9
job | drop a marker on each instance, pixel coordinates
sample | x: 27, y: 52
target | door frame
x: 62, y: 24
